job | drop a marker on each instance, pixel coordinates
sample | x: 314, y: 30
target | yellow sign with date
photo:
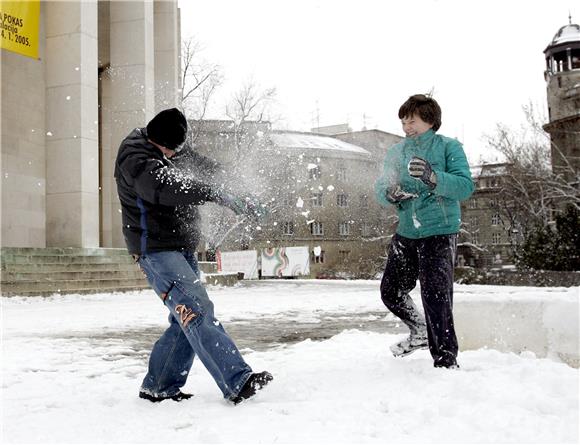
x: 19, y: 26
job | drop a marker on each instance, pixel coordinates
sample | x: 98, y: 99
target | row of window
x: 317, y: 228
x: 495, y: 238
x: 342, y: 200
x: 474, y: 220
x: 475, y: 203
x: 319, y: 259
x: 316, y: 173
x: 489, y: 182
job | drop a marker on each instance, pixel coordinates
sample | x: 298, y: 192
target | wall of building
x: 101, y: 72
x: 23, y: 156
x: 563, y: 94
x: 349, y: 179
x: 375, y: 141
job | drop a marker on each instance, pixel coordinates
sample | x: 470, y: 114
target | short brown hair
x: 425, y: 106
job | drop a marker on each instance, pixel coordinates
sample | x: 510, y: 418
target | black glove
x: 248, y: 206
x: 421, y: 169
x: 396, y: 195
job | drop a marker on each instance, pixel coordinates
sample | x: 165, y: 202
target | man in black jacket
x: 156, y: 195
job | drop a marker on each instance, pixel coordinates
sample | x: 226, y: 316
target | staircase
x: 37, y: 271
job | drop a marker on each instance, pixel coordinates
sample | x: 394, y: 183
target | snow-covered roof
x: 290, y: 139
x: 487, y: 170
x: 494, y: 170
x: 475, y: 171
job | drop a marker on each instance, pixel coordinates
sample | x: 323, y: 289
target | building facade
x: 321, y: 189
x: 103, y: 68
x: 484, y: 240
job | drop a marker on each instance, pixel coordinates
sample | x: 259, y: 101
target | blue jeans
x: 193, y: 330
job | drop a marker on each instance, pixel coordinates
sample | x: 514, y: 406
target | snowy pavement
x: 72, y: 365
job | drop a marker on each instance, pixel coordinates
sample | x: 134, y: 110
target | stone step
x: 10, y: 259
x: 34, y: 271
x: 74, y: 251
x: 39, y: 267
x: 221, y: 279
x: 45, y: 288
x: 66, y: 267
x: 132, y: 273
x: 68, y: 286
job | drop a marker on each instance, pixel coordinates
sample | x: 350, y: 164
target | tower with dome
x: 563, y: 90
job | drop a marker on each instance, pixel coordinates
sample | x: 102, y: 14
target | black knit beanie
x: 168, y: 128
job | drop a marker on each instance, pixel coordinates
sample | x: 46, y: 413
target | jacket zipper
x: 440, y: 201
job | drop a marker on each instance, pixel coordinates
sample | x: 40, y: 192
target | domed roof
x: 568, y: 33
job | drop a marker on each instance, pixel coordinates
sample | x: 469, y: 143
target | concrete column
x: 167, y: 55
x: 72, y: 160
x: 130, y: 89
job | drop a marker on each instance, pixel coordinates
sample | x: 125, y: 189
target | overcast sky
x: 357, y: 61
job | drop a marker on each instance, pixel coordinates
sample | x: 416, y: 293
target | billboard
x: 285, y: 261
x: 245, y: 261
x: 19, y: 25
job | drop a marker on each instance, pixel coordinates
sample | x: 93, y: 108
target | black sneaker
x: 176, y: 397
x: 254, y: 383
x: 449, y: 363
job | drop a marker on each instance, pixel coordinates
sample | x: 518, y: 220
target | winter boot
x: 446, y: 362
x: 254, y: 383
x: 176, y: 397
x: 417, y: 340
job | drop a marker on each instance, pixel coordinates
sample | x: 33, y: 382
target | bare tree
x: 249, y: 104
x: 531, y: 191
x: 199, y: 79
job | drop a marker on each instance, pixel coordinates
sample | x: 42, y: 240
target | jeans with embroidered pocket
x: 193, y: 329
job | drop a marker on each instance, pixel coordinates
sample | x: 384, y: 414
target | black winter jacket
x: 159, y: 198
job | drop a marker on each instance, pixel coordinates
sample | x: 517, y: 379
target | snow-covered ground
x: 72, y: 365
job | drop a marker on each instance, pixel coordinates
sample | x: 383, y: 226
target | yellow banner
x: 19, y: 26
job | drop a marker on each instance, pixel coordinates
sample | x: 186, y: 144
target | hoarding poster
x: 285, y: 261
x: 245, y: 261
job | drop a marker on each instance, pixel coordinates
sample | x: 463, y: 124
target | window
x: 342, y: 200
x: 316, y: 228
x: 316, y: 199
x: 495, y: 219
x: 496, y: 238
x: 473, y: 222
x: 364, y: 201
x: 473, y: 203
x: 341, y: 173
x: 317, y: 259
x: 344, y: 228
x: 475, y: 238
x: 365, y: 229
x: 288, y: 228
x: 314, y: 172
x: 344, y: 255
x: 493, y: 202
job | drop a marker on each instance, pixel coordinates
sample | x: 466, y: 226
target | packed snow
x: 72, y: 366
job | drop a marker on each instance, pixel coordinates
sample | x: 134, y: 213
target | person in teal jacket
x: 424, y: 177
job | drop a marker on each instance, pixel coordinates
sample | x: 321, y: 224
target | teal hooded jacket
x: 434, y: 211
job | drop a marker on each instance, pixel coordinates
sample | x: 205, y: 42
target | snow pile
x: 72, y: 367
